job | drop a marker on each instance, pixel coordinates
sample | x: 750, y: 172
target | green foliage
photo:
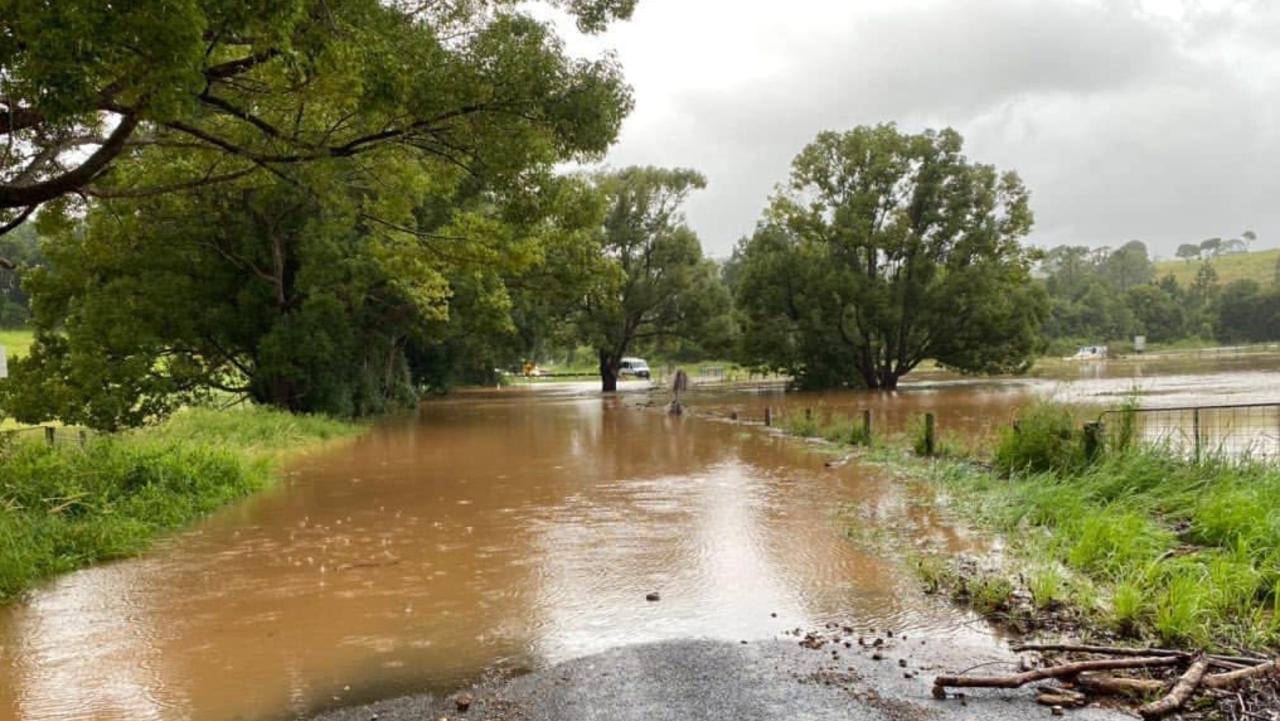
x: 1046, y: 437
x: 230, y: 88
x: 345, y: 201
x: 21, y: 248
x: 335, y: 296
x: 1183, y: 553
x: 1247, y: 313
x: 653, y: 281
x: 66, y: 507
x: 1048, y: 587
x: 989, y: 594
x: 1128, y: 606
x: 802, y: 424
x: 885, y: 249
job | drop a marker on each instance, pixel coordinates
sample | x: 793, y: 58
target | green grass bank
x: 64, y: 506
x: 1137, y: 543
x: 1259, y: 266
x: 16, y: 342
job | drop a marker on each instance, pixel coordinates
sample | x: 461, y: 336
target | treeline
x: 339, y: 205
x: 1098, y: 295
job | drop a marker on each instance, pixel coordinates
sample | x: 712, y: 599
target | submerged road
x: 721, y: 681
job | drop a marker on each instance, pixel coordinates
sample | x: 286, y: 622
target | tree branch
x: 207, y: 179
x: 12, y: 224
x: 36, y: 193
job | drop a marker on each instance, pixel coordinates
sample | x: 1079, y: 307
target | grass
x: 1137, y: 541
x: 64, y: 507
x: 1182, y: 553
x: 16, y: 342
x: 1259, y: 266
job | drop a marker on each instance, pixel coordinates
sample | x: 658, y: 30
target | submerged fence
x: 1242, y: 430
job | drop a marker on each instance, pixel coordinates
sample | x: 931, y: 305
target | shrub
x: 1045, y: 438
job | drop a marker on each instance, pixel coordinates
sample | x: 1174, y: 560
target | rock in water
x: 653, y: 596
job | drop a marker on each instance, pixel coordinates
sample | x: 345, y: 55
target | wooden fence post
x: 930, y: 442
x: 1093, y: 433
x: 866, y: 426
x: 768, y: 416
x: 49, y: 432
x: 1195, y: 431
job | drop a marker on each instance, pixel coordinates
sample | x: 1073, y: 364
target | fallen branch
x: 941, y: 683
x: 1235, y: 678
x: 1121, y: 651
x: 1120, y: 685
x: 1180, y: 692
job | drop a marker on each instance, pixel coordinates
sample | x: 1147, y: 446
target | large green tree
x: 264, y: 87
x: 317, y: 280
x: 654, y: 282
x: 885, y: 249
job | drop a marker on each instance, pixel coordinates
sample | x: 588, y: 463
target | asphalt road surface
x: 722, y: 681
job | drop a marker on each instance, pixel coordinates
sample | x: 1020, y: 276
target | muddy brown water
x: 511, y: 530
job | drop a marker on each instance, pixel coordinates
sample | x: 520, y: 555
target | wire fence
x: 1249, y: 430
x: 52, y: 435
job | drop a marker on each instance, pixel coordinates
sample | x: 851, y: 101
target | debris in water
x: 653, y: 596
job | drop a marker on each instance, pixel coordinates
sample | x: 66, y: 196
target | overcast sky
x: 1148, y: 119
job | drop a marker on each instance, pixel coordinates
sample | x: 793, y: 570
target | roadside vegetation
x: 1139, y: 542
x: 66, y: 506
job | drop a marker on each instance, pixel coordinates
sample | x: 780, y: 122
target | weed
x: 1047, y: 586
x: 1045, y: 438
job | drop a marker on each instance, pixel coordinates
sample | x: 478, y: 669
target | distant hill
x: 1259, y: 266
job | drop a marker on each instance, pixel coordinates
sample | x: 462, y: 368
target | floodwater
x: 508, y: 530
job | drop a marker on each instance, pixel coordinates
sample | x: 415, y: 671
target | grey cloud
x: 1124, y: 125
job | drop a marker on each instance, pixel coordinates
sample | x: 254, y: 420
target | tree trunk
x: 888, y: 381
x: 609, y: 372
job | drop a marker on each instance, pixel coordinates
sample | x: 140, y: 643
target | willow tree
x: 883, y: 250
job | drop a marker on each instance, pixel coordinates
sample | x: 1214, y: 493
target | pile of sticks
x: 1092, y: 677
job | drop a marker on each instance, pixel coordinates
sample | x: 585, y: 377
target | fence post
x: 866, y: 426
x: 49, y: 432
x: 82, y: 437
x: 808, y: 414
x: 768, y: 416
x: 1093, y: 433
x: 930, y: 446
x: 1195, y: 430
x: 733, y: 415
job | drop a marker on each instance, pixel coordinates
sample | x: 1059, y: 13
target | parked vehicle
x: 633, y: 367
x: 1090, y: 352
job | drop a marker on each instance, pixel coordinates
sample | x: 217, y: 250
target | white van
x: 633, y: 367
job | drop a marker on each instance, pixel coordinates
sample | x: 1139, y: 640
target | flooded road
x: 510, y: 530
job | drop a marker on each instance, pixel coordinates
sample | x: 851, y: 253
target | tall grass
x: 1185, y: 553
x: 65, y: 507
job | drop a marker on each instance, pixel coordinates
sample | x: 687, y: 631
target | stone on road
x: 724, y: 681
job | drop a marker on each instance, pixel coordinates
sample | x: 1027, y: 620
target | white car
x: 633, y: 367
